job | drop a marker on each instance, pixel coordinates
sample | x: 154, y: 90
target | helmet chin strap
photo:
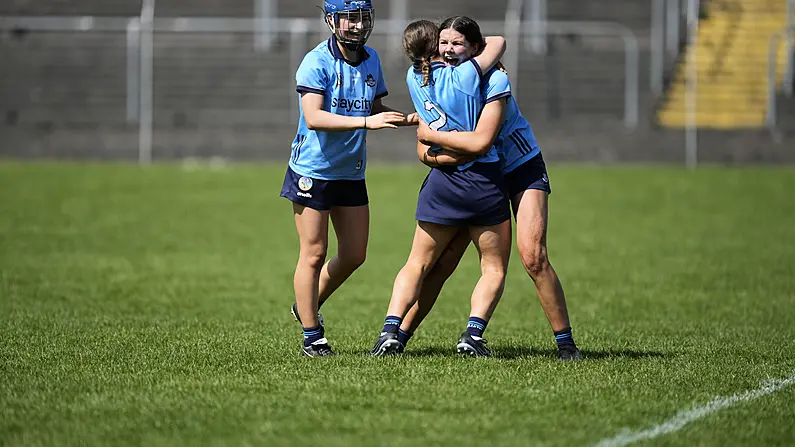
x: 351, y: 46
x: 348, y: 44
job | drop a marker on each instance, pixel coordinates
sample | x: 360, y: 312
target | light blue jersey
x: 515, y: 143
x: 347, y: 90
x: 452, y: 101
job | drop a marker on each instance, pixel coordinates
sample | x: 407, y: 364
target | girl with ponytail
x: 471, y: 195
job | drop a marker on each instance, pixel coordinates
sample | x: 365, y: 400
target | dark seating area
x: 218, y: 91
x: 70, y: 7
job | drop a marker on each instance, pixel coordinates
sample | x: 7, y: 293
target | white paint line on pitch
x: 685, y: 417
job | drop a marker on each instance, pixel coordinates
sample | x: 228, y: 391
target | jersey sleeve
x: 467, y: 77
x: 496, y: 86
x: 312, y: 75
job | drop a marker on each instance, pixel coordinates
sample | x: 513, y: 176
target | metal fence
x: 786, y: 37
x: 201, y: 84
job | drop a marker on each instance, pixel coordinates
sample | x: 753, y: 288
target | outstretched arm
x: 378, y: 107
x: 318, y: 119
x: 477, y: 142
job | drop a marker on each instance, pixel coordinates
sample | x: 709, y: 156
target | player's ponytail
x: 421, y: 43
x: 425, y: 67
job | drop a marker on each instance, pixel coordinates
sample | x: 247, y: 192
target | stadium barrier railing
x: 140, y: 59
x: 785, y: 35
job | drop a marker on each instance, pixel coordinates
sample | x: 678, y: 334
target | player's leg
x: 430, y: 240
x: 531, y: 208
x: 494, y: 246
x: 312, y: 226
x: 432, y: 284
x: 350, y: 214
x: 352, y: 227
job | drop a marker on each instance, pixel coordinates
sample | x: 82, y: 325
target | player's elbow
x: 481, y: 146
x: 312, y: 121
x: 498, y: 42
x: 502, y: 44
x: 311, y: 124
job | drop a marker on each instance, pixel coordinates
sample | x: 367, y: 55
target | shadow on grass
x: 431, y: 351
x: 517, y: 352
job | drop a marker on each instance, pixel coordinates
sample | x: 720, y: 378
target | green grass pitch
x: 151, y: 307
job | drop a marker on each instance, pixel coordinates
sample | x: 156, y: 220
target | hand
x: 463, y: 159
x: 447, y: 158
x: 423, y: 133
x: 412, y: 119
x: 385, y: 120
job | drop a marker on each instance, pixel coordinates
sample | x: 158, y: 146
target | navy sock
x: 564, y: 337
x: 404, y: 337
x: 312, y: 334
x: 392, y: 324
x: 476, y: 326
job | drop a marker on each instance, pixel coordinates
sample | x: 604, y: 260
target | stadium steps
x: 205, y: 8
x: 70, y: 7
x: 52, y: 78
x: 731, y: 64
x: 589, y: 83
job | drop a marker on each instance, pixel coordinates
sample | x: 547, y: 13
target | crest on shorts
x: 544, y: 178
x: 369, y: 80
x: 305, y: 183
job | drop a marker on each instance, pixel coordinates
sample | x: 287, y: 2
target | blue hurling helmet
x: 358, y: 17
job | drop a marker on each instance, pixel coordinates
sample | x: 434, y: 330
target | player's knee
x: 535, y: 261
x: 418, y: 267
x: 313, y: 257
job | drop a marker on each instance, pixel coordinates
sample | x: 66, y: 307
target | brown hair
x: 421, y: 42
x: 467, y: 27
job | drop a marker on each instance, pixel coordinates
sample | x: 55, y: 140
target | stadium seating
x: 205, y: 8
x: 732, y: 66
x: 216, y: 94
x: 70, y: 7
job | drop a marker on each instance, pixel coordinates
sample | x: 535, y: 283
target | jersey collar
x: 335, y: 51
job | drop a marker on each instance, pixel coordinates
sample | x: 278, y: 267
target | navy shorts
x: 323, y: 194
x: 473, y: 197
x: 531, y: 174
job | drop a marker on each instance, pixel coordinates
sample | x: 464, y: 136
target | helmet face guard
x: 352, y: 28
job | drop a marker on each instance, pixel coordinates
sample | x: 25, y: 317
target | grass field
x: 151, y: 307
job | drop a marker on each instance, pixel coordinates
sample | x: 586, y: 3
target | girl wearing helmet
x: 340, y: 85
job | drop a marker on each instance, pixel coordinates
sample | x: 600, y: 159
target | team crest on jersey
x: 370, y: 81
x: 305, y: 183
x: 339, y: 79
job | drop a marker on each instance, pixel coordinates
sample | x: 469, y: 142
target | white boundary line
x: 685, y: 417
